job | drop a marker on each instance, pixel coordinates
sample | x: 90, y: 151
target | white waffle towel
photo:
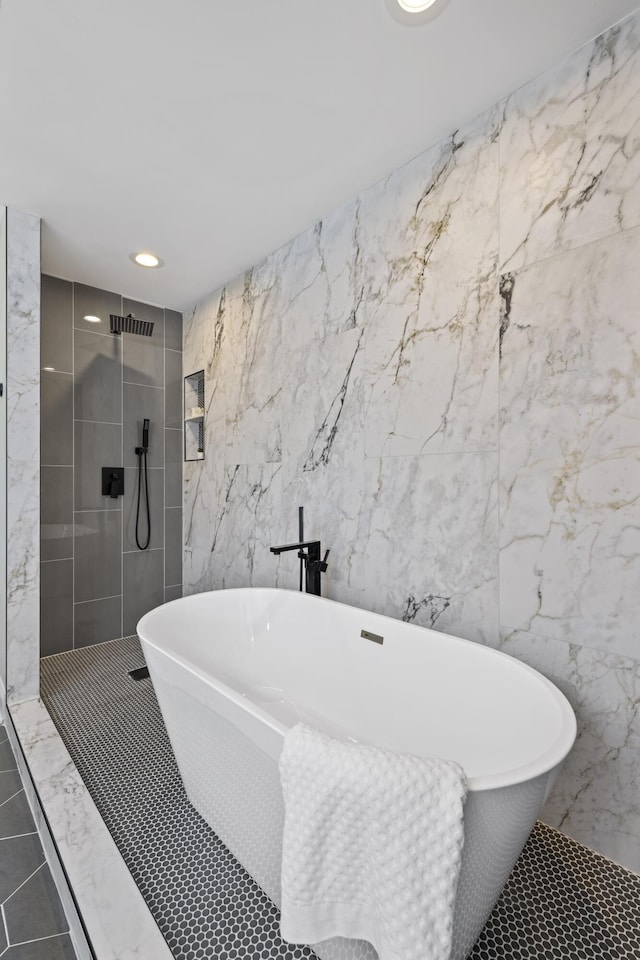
x: 371, y: 846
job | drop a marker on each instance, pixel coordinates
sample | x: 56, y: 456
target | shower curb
x: 118, y: 923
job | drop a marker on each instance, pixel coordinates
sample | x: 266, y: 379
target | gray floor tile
x: 15, y: 817
x: 10, y: 783
x: 54, y: 948
x: 19, y: 858
x: 7, y: 759
x: 3, y: 939
x: 34, y: 911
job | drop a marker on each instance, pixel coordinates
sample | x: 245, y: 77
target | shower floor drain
x: 140, y: 673
x: 562, y: 901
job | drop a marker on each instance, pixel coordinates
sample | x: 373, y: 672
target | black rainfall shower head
x: 129, y: 324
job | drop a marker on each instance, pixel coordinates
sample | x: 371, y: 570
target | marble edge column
x: 23, y: 455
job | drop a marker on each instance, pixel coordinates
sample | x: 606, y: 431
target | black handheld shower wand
x: 141, y: 453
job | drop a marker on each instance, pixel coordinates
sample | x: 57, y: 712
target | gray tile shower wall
x: 96, y: 390
x: 442, y: 373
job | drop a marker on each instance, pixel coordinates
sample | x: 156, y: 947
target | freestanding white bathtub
x: 234, y: 669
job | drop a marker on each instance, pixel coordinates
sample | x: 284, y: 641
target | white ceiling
x: 212, y: 132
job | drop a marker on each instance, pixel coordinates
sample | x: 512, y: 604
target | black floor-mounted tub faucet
x: 314, y: 566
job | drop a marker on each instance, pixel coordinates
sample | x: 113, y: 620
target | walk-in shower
x: 97, y: 577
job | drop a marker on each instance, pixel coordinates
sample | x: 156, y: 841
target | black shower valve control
x: 112, y: 482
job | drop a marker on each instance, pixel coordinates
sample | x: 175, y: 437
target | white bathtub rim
x: 545, y: 762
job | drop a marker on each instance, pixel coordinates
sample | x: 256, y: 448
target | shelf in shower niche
x: 194, y: 420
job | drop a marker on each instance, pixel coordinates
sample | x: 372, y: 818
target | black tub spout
x: 314, y: 566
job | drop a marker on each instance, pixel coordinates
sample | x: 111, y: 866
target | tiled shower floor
x: 562, y: 902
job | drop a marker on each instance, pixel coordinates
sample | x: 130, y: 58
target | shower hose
x: 142, y: 468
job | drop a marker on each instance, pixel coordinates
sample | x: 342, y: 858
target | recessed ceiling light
x: 91, y: 319
x: 415, y: 13
x: 146, y: 259
x: 415, y: 6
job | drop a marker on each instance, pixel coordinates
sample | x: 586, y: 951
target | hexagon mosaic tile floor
x: 562, y: 902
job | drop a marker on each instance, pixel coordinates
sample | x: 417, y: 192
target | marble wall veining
x: 444, y: 373
x: 3, y: 442
x: 23, y: 454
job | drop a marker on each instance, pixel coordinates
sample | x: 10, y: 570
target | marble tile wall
x: 3, y: 441
x: 96, y: 390
x: 23, y: 453
x: 444, y: 373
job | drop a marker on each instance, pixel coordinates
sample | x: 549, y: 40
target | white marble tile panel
x: 322, y: 402
x: 570, y: 446
x: 322, y: 279
x: 3, y: 435
x: 237, y: 517
x: 198, y: 322
x: 23, y: 580
x: 203, y: 481
x: 595, y: 798
x: 252, y: 355
x: 570, y: 151
x: 113, y: 908
x: 206, y: 336
x: 323, y: 456
x: 23, y: 336
x: 431, y: 238
x: 429, y: 534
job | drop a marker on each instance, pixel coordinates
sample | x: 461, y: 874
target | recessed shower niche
x: 194, y: 416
